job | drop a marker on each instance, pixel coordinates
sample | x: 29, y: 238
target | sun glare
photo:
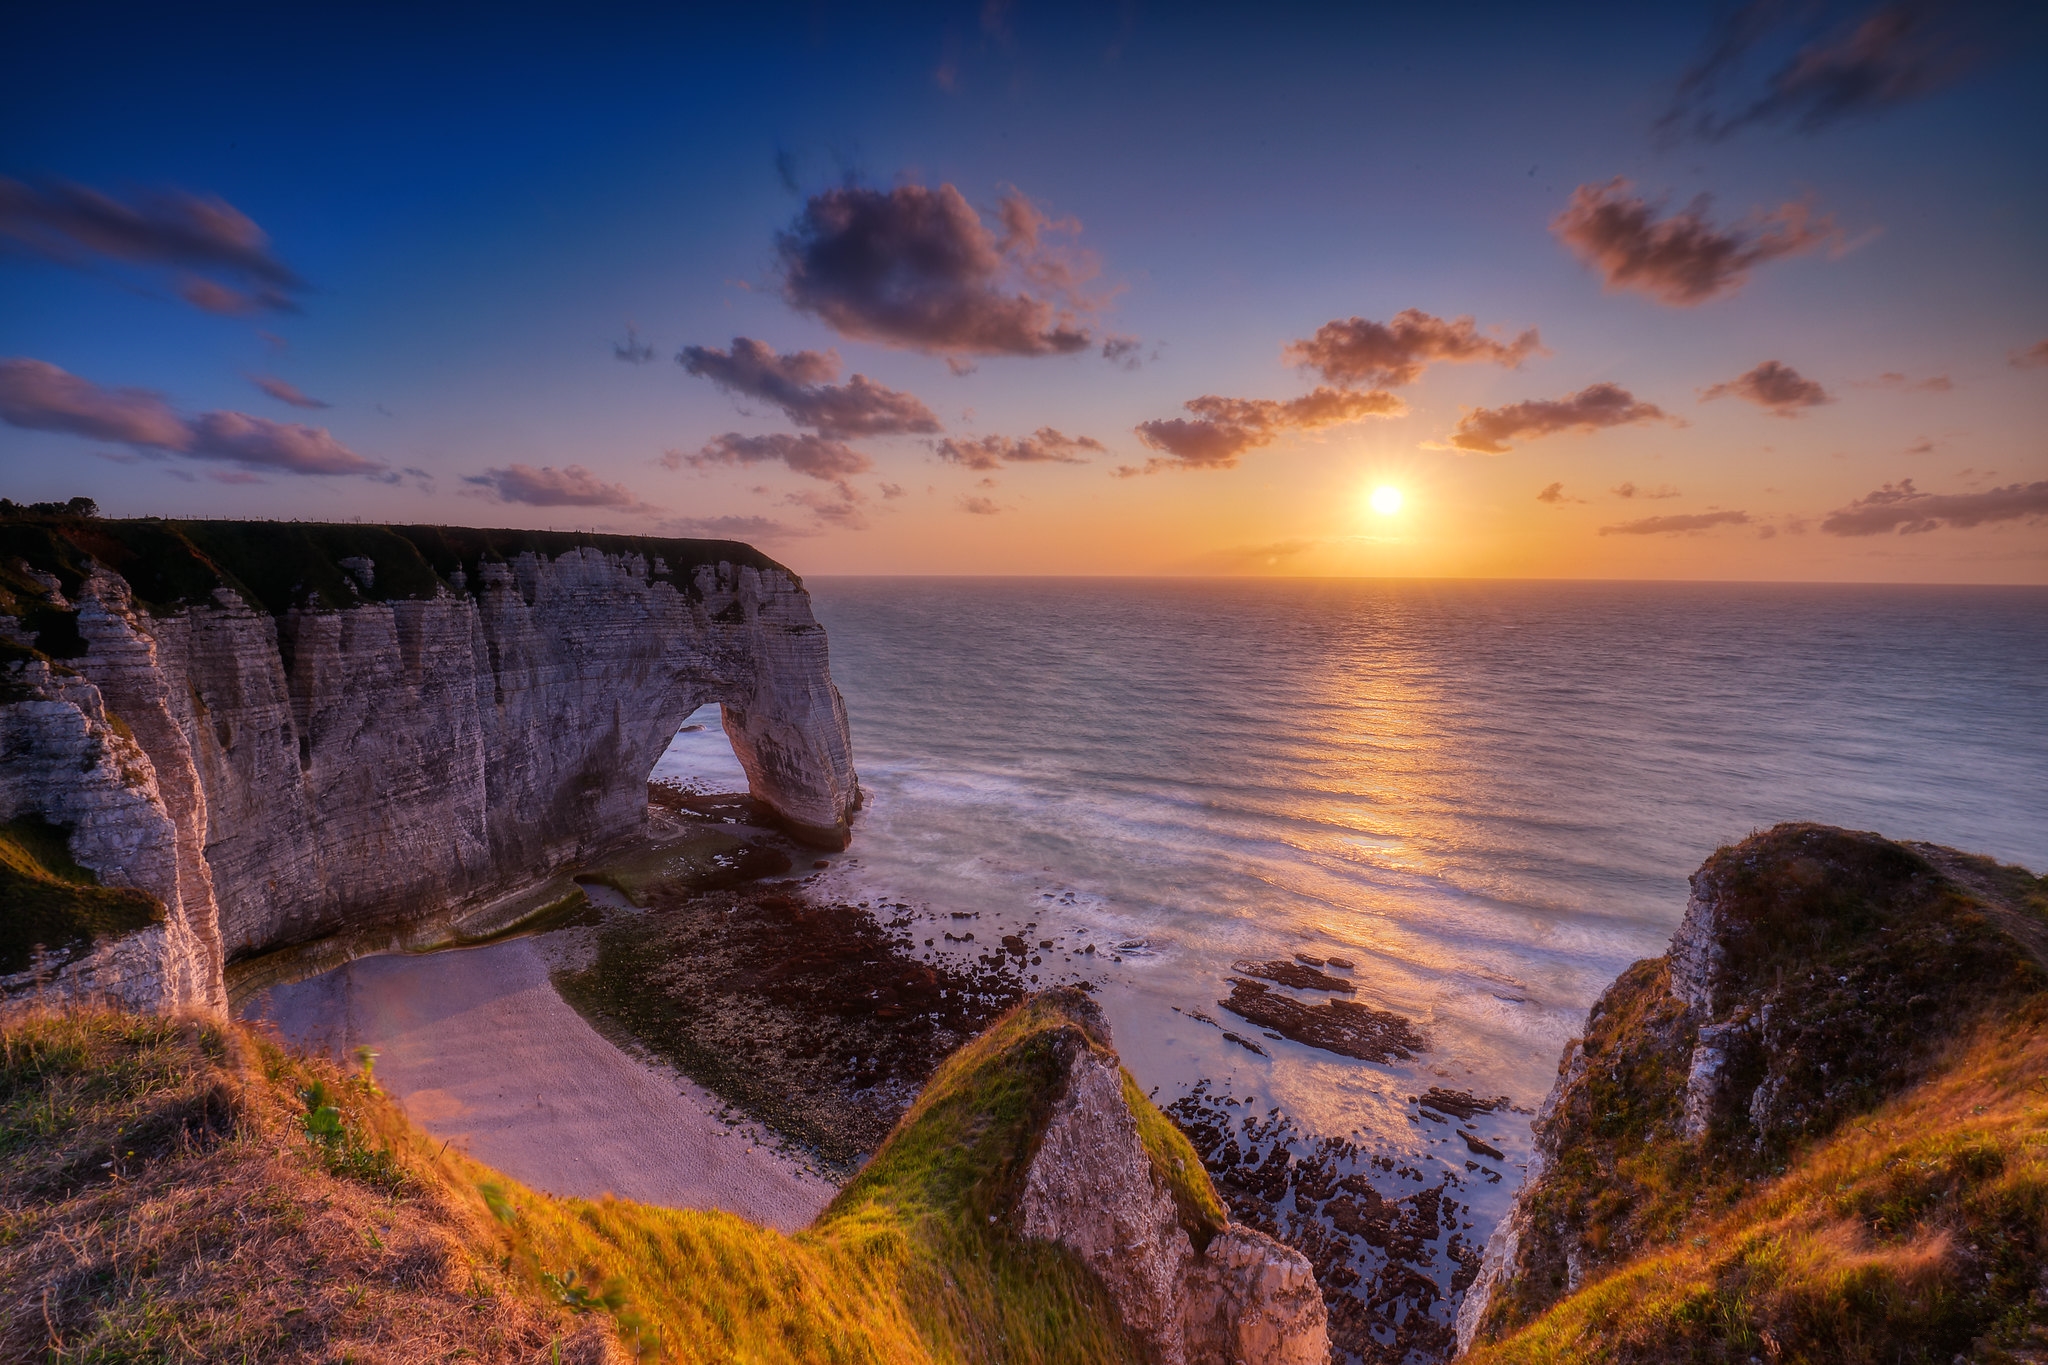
x: 1386, y: 500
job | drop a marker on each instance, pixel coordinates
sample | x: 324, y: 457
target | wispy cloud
x: 1487, y: 431
x: 734, y: 528
x: 1677, y: 524
x: 817, y: 457
x: 1681, y: 259
x: 285, y: 392
x: 224, y: 259
x: 1554, y: 494
x: 918, y: 268
x: 2027, y: 357
x: 1629, y: 490
x: 547, y: 486
x: 979, y: 506
x: 1894, y: 379
x: 796, y: 383
x: 1905, y: 509
x: 1778, y: 389
x: 632, y: 350
x: 1360, y: 351
x: 1775, y: 62
x: 39, y: 396
x: 1222, y: 429
x: 1046, y: 445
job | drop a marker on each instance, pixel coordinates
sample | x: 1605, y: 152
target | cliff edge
x: 183, y: 1189
x: 274, y: 731
x: 1815, y: 1129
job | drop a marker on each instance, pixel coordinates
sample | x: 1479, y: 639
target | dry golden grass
x: 183, y: 1190
x: 1917, y: 1233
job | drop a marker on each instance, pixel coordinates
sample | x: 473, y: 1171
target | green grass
x: 49, y: 900
x: 272, y: 1206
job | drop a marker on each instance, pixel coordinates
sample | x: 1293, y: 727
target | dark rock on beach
x: 1341, y: 1026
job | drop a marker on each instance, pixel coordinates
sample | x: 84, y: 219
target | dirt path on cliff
x: 480, y: 1049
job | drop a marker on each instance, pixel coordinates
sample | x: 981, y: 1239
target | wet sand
x: 479, y: 1048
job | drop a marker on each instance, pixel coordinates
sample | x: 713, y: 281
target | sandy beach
x: 479, y: 1048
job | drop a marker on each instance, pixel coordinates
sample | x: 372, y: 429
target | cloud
x: 1674, y: 525
x: 1222, y: 429
x: 1123, y: 351
x: 632, y: 350
x: 285, y: 392
x: 1553, y: 493
x: 1046, y: 445
x: 1487, y: 431
x: 917, y: 268
x: 980, y: 507
x: 1359, y: 351
x: 71, y: 224
x: 733, y: 528
x: 1629, y: 490
x: 1892, y: 379
x: 2027, y: 357
x: 796, y: 384
x: 1778, y: 389
x: 39, y: 396
x: 1682, y: 259
x: 842, y: 511
x: 1903, y: 508
x: 1819, y: 74
x: 818, y: 457
x: 571, y: 486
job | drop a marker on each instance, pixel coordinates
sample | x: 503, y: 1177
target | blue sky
x: 479, y: 204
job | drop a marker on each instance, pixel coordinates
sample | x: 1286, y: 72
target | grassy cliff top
x: 277, y: 565
x: 182, y: 1191
x: 1871, y: 1181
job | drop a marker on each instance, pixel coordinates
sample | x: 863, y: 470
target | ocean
x: 1487, y: 796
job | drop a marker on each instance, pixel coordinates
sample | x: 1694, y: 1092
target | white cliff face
x: 1245, y: 1299
x: 376, y: 763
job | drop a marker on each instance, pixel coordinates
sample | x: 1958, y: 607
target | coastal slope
x: 183, y: 1189
x: 279, y: 731
x: 1816, y: 1129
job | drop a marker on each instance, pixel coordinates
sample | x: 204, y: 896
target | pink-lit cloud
x: 1905, y: 509
x: 1629, y: 490
x: 2027, y: 357
x: 547, y: 486
x: 285, y: 392
x: 39, y: 396
x: 798, y: 384
x: 1222, y: 429
x: 816, y: 457
x: 1681, y: 259
x: 1487, y: 431
x: 1046, y: 445
x: 224, y: 260
x: 1360, y: 351
x: 1677, y: 524
x: 1778, y: 389
x: 918, y: 268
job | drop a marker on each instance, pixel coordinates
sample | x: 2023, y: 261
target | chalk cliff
x: 282, y: 730
x: 1817, y: 1120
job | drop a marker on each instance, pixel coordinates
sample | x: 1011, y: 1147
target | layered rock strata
x: 1241, y: 1298
x: 305, y: 728
x: 1817, y: 973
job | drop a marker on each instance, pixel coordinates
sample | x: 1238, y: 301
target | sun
x: 1386, y: 500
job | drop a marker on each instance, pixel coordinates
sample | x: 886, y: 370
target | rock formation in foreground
x: 1031, y: 1209
x: 1816, y: 1129
x: 279, y: 730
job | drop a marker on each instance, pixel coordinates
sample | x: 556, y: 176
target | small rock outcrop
x: 285, y: 730
x: 1238, y: 1298
x: 1817, y: 974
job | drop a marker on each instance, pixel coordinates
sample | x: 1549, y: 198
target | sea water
x: 1487, y: 795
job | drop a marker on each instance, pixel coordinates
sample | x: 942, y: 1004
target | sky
x: 1611, y: 291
